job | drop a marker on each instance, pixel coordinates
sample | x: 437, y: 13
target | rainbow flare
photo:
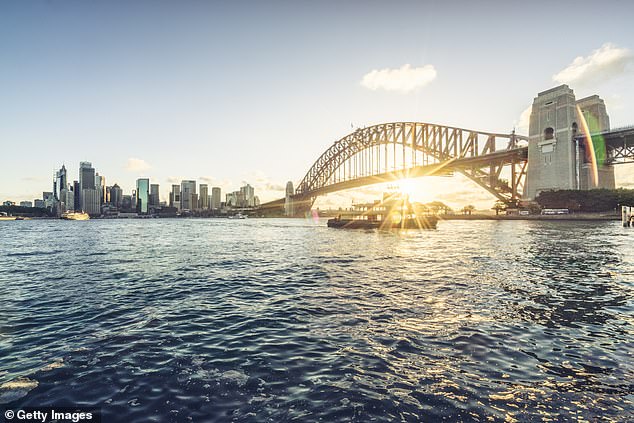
x: 589, y: 148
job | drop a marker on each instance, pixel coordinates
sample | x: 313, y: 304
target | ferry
x: 394, y: 212
x: 5, y: 216
x: 75, y: 215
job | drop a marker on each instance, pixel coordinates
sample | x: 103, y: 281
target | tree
x: 468, y: 209
x: 499, y: 206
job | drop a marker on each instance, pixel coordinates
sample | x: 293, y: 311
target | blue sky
x: 226, y: 92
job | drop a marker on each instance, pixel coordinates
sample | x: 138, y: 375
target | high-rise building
x: 76, y: 195
x: 188, y: 188
x: 87, y: 182
x: 126, y: 202
x: 142, y: 195
x: 90, y: 201
x: 39, y: 203
x: 116, y: 195
x: 288, y: 200
x: 215, y: 198
x: 154, y: 195
x: 247, y: 193
x: 204, y: 197
x: 175, y: 197
x: 61, y: 180
x: 100, y: 186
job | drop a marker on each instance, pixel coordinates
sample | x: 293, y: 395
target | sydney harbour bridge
x: 555, y: 155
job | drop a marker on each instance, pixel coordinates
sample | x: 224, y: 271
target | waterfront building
x: 154, y: 195
x: 215, y: 198
x: 8, y: 203
x: 90, y: 201
x: 49, y: 200
x: 126, y: 202
x: 142, y: 195
x: 116, y: 195
x: 248, y: 196
x: 100, y: 186
x: 61, y: 180
x: 204, y: 196
x: 133, y: 199
x: 26, y: 204
x: 76, y: 195
x: 188, y: 188
x: 175, y: 197
x: 86, y: 179
x: 66, y: 200
x: 39, y: 203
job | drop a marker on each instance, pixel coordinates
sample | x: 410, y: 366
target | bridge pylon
x: 556, y: 157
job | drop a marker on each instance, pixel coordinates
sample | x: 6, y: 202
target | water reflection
x: 277, y: 320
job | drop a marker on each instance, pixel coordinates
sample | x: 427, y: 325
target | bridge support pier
x: 556, y: 159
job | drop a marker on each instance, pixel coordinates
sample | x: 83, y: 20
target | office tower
x: 215, y: 198
x: 61, y: 180
x: 76, y: 195
x: 204, y: 196
x: 247, y: 194
x: 116, y: 195
x: 39, y: 203
x: 188, y: 188
x: 142, y: 195
x: 133, y: 200
x: 88, y: 195
x: 66, y: 199
x: 154, y: 195
x: 100, y: 186
x: 175, y: 197
x: 126, y: 202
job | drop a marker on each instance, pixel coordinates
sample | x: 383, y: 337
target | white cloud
x: 404, y: 79
x: 604, y: 63
x: 136, y: 165
x: 521, y: 125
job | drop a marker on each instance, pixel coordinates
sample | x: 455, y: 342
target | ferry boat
x: 75, y: 215
x: 394, y: 212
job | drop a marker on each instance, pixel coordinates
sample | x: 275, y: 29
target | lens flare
x: 590, y: 153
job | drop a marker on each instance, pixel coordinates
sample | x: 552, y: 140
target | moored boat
x: 75, y: 215
x: 394, y: 212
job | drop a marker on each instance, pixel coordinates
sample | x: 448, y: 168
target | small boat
x: 238, y: 216
x: 394, y: 212
x: 75, y: 215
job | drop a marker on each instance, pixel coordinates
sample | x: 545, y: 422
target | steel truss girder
x: 478, y: 155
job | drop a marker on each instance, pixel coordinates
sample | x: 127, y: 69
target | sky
x: 254, y: 91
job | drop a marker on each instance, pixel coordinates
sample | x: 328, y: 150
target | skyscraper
x: 188, y: 189
x: 215, y: 198
x: 204, y: 196
x: 247, y: 193
x: 88, y: 195
x: 142, y: 195
x: 100, y: 186
x: 116, y: 195
x: 61, y: 180
x: 154, y: 195
x: 175, y: 197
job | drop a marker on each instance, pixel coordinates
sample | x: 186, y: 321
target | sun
x: 408, y: 187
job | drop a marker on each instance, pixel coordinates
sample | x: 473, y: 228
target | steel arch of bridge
x: 391, y: 151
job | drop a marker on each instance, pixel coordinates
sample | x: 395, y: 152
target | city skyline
x: 228, y: 94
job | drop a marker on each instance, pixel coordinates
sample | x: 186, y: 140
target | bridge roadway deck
x: 437, y: 169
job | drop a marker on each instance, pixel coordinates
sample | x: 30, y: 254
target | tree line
x: 595, y: 200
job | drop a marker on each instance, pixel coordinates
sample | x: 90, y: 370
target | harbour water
x: 279, y: 320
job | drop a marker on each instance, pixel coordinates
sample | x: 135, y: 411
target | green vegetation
x: 596, y: 200
x: 24, y: 211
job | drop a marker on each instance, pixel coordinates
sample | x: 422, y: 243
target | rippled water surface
x: 276, y: 320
